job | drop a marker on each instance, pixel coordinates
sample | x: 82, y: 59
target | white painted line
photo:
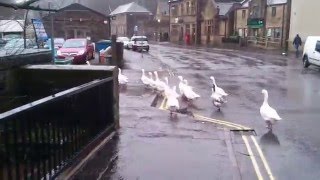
x: 265, y: 162
x: 252, y: 157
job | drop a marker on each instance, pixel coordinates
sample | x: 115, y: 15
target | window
x: 240, y: 32
x: 244, y: 14
x: 188, y: 8
x: 174, y: 10
x: 318, y: 46
x: 274, y: 11
x: 188, y: 29
x: 182, y: 9
x: 192, y: 8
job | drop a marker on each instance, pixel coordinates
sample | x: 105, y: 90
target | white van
x: 311, y: 51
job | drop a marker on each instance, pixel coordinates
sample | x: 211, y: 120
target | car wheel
x: 306, y: 63
x: 147, y: 49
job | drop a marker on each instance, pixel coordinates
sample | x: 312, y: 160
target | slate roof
x: 275, y: 2
x: 129, y: 8
x: 224, y: 8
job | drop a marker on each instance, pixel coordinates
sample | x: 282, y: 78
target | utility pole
x: 25, y: 29
x: 52, y: 35
x: 289, y: 3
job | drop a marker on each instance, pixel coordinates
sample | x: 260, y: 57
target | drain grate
x: 247, y: 132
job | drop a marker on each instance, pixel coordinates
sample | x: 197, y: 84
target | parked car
x: 124, y: 40
x: 139, y: 43
x: 311, y: 51
x: 58, y: 43
x: 81, y: 50
x: 2, y: 43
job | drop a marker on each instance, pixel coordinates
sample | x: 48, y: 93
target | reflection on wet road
x: 151, y: 146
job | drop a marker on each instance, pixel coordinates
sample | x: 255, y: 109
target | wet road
x: 291, y: 150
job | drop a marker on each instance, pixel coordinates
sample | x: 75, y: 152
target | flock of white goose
x: 218, y: 96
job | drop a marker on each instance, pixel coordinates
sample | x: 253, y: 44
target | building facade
x: 204, y: 21
x: 77, y: 21
x: 184, y: 20
x: 218, y: 20
x: 303, y: 19
x: 263, y: 22
x: 129, y: 19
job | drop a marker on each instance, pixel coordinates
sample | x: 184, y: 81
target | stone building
x: 77, y: 21
x: 128, y: 20
x: 206, y: 21
x: 263, y: 22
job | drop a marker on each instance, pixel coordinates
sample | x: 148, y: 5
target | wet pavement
x: 150, y: 145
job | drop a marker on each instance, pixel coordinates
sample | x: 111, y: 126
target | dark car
x: 81, y: 50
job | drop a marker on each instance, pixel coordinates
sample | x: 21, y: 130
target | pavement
x: 150, y: 145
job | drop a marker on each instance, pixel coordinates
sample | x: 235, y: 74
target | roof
x: 130, y: 8
x: 163, y: 7
x: 276, y: 2
x: 224, y: 8
x: 245, y: 3
x: 79, y: 7
x: 11, y: 25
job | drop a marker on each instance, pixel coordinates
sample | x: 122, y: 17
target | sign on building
x: 40, y: 32
x: 255, y: 23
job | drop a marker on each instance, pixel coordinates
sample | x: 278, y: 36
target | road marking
x: 265, y: 163
x: 244, y: 138
x: 224, y: 122
x: 252, y: 157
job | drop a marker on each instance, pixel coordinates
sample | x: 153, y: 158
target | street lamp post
x: 159, y: 30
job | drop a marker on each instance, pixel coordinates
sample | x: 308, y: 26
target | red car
x: 81, y: 50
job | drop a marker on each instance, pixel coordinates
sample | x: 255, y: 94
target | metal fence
x: 265, y: 42
x: 40, y: 139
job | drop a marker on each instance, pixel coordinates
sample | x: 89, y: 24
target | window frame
x: 273, y: 11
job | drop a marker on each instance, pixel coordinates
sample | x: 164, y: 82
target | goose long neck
x: 156, y: 75
x: 167, y: 81
x: 265, y: 101
x: 214, y: 81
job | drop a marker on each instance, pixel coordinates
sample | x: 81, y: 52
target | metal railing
x: 40, y: 139
x: 263, y: 41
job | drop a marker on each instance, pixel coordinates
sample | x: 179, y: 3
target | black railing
x: 38, y: 140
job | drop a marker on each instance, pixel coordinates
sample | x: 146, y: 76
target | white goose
x: 145, y: 80
x: 172, y: 103
x: 152, y: 81
x: 168, y: 91
x: 188, y: 92
x: 160, y: 85
x: 122, y: 78
x: 217, y: 99
x: 268, y: 113
x: 181, y: 84
x: 218, y: 89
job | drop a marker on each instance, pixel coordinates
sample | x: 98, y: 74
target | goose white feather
x: 168, y: 91
x: 160, y: 85
x: 145, y: 80
x: 189, y: 93
x: 218, y: 89
x: 181, y: 84
x: 266, y: 111
x: 122, y: 78
x: 217, y: 99
x: 152, y: 81
x: 172, y: 102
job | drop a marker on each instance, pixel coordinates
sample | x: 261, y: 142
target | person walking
x: 297, y: 42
